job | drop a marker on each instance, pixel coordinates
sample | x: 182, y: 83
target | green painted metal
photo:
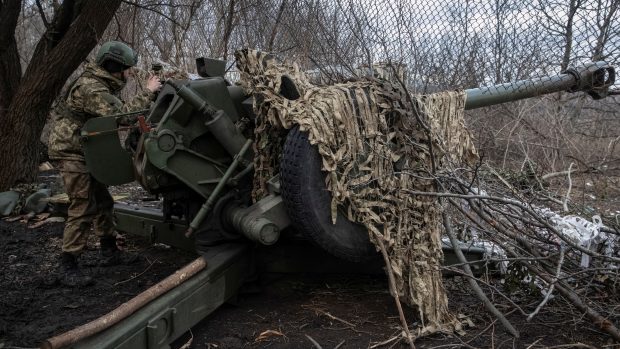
x: 209, y: 67
x: 194, y: 170
x: 292, y: 253
x: 106, y: 159
x: 206, y: 207
x: 197, y: 146
x: 259, y: 228
x: 217, y: 120
x: 594, y: 78
x: 149, y: 223
x: 261, y: 222
x: 194, y: 135
x: 172, y: 314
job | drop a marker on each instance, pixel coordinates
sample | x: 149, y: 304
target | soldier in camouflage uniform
x: 95, y: 93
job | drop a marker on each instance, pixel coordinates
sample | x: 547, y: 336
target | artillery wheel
x: 308, y: 202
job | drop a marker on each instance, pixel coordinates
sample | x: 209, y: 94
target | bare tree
x: 561, y: 26
x: 606, y: 13
x: 25, y: 99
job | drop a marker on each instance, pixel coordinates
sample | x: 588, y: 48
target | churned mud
x: 275, y: 311
x: 272, y: 311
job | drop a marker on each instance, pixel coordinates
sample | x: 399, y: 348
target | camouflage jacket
x: 95, y: 93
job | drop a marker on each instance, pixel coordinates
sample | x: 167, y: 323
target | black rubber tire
x: 308, y: 202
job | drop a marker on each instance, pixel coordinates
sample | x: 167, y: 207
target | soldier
x: 95, y: 93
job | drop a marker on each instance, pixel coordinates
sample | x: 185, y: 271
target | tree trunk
x: 54, y: 61
x: 10, y: 68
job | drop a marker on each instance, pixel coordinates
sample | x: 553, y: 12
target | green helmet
x: 118, y: 52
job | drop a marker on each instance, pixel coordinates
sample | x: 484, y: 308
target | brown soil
x: 354, y: 310
x: 276, y: 311
x: 358, y: 312
x: 34, y: 306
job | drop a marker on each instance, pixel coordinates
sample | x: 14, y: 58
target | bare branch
x: 42, y: 13
x: 472, y: 282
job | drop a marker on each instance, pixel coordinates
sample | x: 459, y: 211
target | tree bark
x: 59, y: 52
x: 10, y: 68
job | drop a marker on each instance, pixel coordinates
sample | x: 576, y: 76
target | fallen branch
x: 385, y: 342
x: 125, y: 309
x: 315, y: 343
x: 551, y: 286
x: 472, y: 282
x: 394, y: 291
x: 340, y: 344
x: 137, y: 276
x: 569, y: 294
x: 573, y: 345
x: 560, y: 173
x: 526, y: 209
x: 333, y: 317
x: 570, y: 186
x: 501, y: 294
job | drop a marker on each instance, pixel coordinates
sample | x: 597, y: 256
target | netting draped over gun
x: 338, y: 163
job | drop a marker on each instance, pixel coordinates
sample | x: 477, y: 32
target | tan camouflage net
x: 375, y: 146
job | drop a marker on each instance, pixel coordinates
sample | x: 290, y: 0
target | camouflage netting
x: 374, y: 141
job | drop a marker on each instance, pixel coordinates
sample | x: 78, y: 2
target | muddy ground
x: 277, y: 311
x: 353, y: 311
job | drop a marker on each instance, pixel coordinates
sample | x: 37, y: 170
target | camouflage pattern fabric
x: 95, y: 93
x: 90, y: 204
x: 378, y: 143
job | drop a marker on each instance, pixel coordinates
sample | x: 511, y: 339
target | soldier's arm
x: 143, y: 99
x: 103, y: 103
x: 100, y: 102
x: 140, y: 101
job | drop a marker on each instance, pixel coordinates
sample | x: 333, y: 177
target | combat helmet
x: 118, y: 52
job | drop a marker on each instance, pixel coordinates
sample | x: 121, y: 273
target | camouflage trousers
x: 90, y: 204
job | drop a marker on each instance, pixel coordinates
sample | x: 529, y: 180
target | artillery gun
x: 195, y: 151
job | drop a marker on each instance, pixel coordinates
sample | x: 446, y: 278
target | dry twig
x: 315, y: 343
x: 333, y: 317
x: 385, y: 342
x: 340, y: 344
x: 551, y: 286
x: 565, y: 290
x: 570, y: 186
x: 394, y: 292
x: 472, y: 282
x: 137, y: 276
x: 188, y: 344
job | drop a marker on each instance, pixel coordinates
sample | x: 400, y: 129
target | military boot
x: 112, y: 255
x: 70, y: 274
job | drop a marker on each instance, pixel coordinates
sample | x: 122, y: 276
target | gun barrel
x: 594, y: 78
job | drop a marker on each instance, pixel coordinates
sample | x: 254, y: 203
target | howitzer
x: 195, y: 151
x: 198, y: 158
